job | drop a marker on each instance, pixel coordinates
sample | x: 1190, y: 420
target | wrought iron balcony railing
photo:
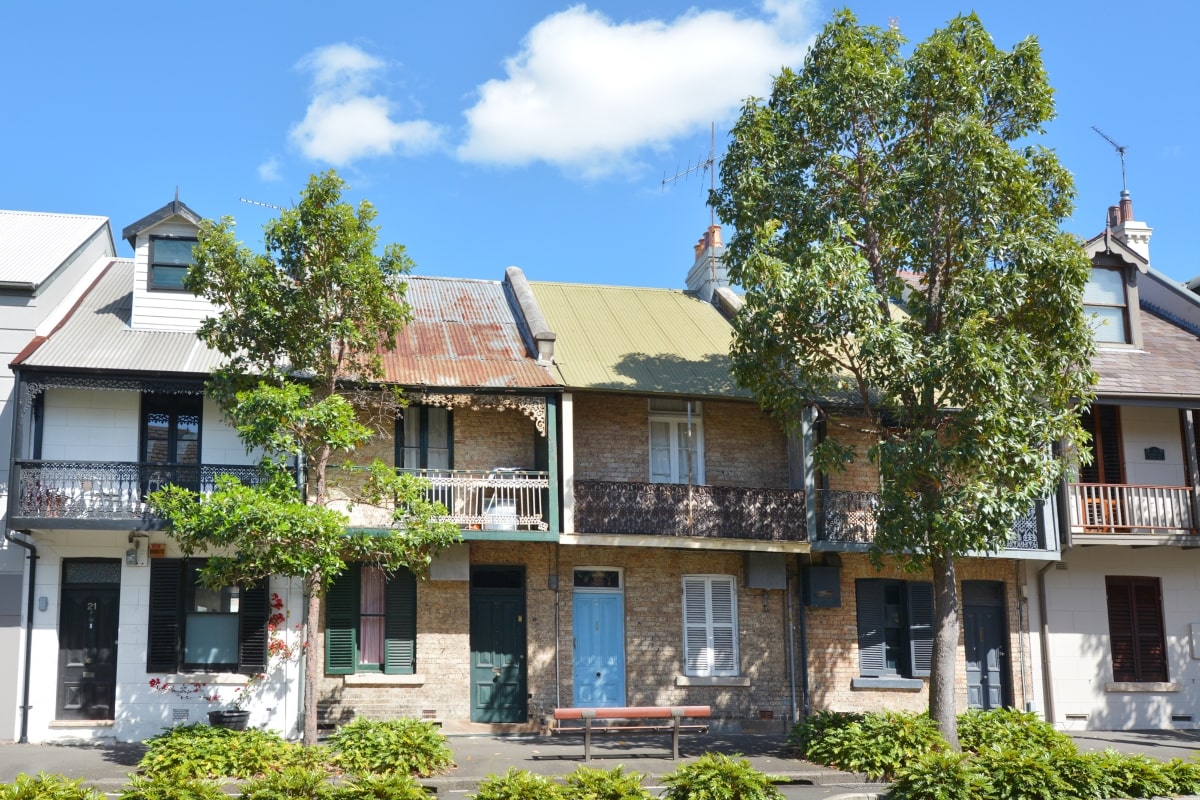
x: 108, y: 490
x: 1110, y: 508
x: 672, y: 509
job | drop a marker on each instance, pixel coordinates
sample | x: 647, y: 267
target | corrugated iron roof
x: 33, y: 244
x: 464, y: 334
x: 641, y: 340
x: 96, y: 335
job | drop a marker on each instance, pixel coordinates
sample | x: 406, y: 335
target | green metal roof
x: 653, y: 341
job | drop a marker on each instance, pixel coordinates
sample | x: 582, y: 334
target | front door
x: 986, y: 633
x: 598, y: 615
x: 87, y: 639
x: 498, y: 644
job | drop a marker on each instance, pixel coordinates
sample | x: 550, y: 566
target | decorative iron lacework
x: 533, y: 407
x: 91, y: 571
x: 1025, y: 535
x: 674, y: 509
x: 36, y: 385
x: 850, y: 516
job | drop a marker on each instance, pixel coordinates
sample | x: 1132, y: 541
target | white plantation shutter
x: 710, y: 625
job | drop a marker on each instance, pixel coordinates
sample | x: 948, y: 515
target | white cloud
x: 344, y: 121
x: 269, y: 170
x: 587, y: 93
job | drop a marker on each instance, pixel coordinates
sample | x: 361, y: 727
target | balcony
x: 1116, y: 513
x: 104, y: 494
x: 670, y: 509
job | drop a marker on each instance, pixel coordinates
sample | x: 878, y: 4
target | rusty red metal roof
x: 464, y: 334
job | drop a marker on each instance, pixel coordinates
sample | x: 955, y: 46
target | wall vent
x: 1181, y: 718
x: 429, y: 713
x: 1076, y: 717
x: 180, y: 716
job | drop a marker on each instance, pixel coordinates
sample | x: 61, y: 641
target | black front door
x: 498, y: 644
x: 985, y: 632
x: 87, y: 639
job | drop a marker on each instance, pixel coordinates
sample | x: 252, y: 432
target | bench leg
x: 675, y: 741
x: 587, y: 740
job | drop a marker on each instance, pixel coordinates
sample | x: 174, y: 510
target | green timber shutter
x: 871, y: 656
x: 162, y: 626
x: 341, y: 623
x: 400, y: 625
x: 920, y: 628
x: 253, y: 612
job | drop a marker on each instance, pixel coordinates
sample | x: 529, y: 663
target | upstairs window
x: 676, y: 441
x: 1106, y: 302
x: 170, y: 258
x: 425, y: 438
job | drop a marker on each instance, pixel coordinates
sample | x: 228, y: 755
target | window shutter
x: 341, y: 623
x: 1120, y: 628
x: 253, y: 612
x: 400, y: 626
x: 695, y: 626
x: 162, y: 634
x: 869, y: 596
x: 920, y: 628
x: 724, y: 636
x: 1151, y: 646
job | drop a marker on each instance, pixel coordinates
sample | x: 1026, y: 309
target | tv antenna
x: 702, y: 165
x: 263, y: 205
x: 1120, y: 148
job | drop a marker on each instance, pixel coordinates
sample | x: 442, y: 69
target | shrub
x: 1007, y: 728
x: 1184, y: 776
x: 714, y: 776
x: 1084, y: 774
x: 876, y: 744
x: 1133, y: 775
x: 809, y: 734
x: 171, y: 786
x: 1022, y: 774
x: 47, y: 787
x: 393, y: 786
x: 586, y: 783
x: 518, y: 784
x: 202, y: 751
x: 292, y: 783
x: 941, y: 776
x: 399, y: 745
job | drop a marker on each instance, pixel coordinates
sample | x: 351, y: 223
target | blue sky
x: 535, y: 134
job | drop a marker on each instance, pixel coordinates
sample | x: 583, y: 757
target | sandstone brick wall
x: 743, y: 446
x: 860, y: 476
x: 486, y: 438
x: 612, y: 438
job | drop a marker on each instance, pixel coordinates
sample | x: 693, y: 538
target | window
x: 171, y: 428
x: 371, y: 622
x: 1104, y: 299
x: 676, y: 441
x: 1135, y: 629
x: 170, y: 258
x: 895, y: 628
x: 191, y: 627
x: 710, y: 625
x: 425, y: 438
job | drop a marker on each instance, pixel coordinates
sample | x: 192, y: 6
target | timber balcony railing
x: 850, y: 517
x: 1113, y: 508
x: 108, y: 490
x: 673, y: 509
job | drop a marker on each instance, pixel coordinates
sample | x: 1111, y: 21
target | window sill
x: 709, y: 680
x: 1123, y: 686
x: 905, y: 684
x: 369, y: 679
x: 209, y: 678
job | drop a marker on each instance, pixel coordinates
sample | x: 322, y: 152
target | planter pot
x: 232, y: 718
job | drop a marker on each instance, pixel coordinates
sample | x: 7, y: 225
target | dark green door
x: 498, y: 644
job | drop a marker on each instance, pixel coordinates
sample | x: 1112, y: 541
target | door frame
x: 617, y: 573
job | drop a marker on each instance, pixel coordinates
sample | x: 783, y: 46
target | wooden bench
x: 674, y: 713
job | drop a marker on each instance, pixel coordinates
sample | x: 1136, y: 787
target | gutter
x: 33, y: 559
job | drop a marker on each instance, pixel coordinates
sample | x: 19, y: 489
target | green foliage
x: 1083, y: 773
x: 1008, y: 728
x: 1183, y: 775
x: 408, y: 746
x: 171, y: 786
x: 518, y: 784
x: 1134, y: 775
x: 47, y: 787
x: 941, y: 776
x: 587, y: 783
x: 715, y: 776
x: 1022, y: 774
x: 291, y: 783
x: 393, y: 786
x: 202, y: 751
x: 876, y: 744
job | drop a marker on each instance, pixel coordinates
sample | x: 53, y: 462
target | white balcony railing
x: 1122, y: 508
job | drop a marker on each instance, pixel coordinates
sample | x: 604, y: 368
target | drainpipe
x: 1047, y: 683
x: 33, y: 559
x: 806, y: 706
x: 789, y: 599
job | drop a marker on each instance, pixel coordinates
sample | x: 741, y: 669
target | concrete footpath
x: 107, y: 765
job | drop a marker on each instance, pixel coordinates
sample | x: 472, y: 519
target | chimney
x: 708, y: 272
x: 1135, y: 235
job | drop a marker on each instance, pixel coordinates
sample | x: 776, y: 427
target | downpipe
x: 33, y: 559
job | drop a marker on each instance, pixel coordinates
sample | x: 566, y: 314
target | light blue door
x: 599, y: 621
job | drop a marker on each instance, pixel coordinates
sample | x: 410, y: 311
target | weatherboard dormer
x: 162, y: 244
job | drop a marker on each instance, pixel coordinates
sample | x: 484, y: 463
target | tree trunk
x: 312, y: 660
x: 942, y: 707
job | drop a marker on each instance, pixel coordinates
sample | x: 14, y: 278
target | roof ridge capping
x: 535, y: 325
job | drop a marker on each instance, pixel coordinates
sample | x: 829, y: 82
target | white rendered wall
x: 1143, y: 428
x: 158, y: 310
x: 1080, y: 658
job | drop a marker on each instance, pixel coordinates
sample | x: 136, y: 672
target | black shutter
x: 871, y: 657
x: 400, y: 625
x: 920, y: 628
x: 1118, y: 592
x: 341, y: 623
x: 1147, y: 618
x: 162, y: 626
x: 253, y: 611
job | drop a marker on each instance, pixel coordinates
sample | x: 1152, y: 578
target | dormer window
x: 170, y: 257
x: 1106, y: 302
